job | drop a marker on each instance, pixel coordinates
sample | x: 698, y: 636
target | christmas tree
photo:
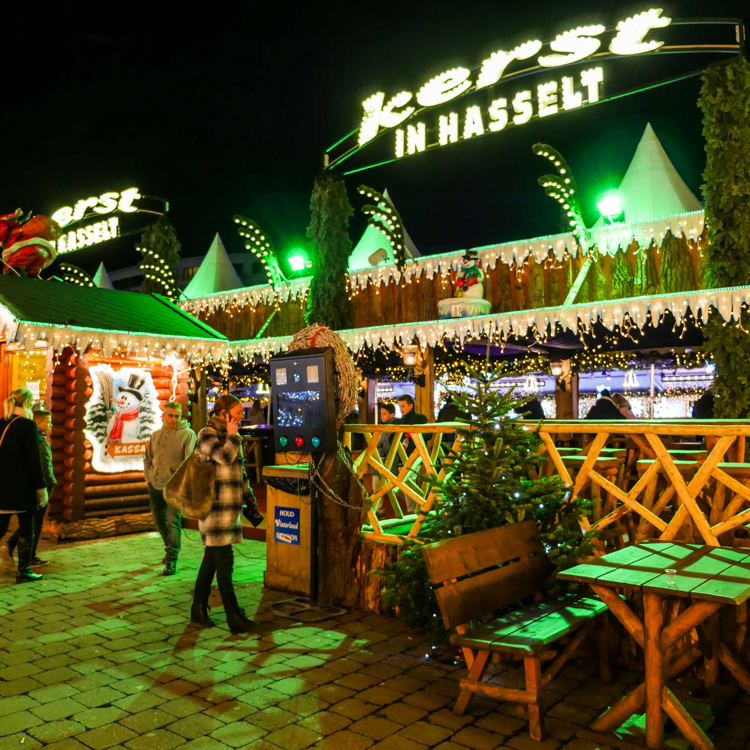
x: 161, y: 252
x: 331, y: 247
x: 493, y: 481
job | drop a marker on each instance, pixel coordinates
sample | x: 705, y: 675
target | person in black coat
x: 24, y: 487
x: 703, y: 408
x: 605, y: 408
x: 531, y: 410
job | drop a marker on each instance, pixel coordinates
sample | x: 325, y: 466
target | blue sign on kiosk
x: 286, y: 525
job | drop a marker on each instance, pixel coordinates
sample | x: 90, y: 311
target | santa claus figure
x: 27, y: 243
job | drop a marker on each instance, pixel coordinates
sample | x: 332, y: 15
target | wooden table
x: 710, y: 577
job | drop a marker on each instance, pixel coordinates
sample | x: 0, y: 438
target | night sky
x: 229, y: 110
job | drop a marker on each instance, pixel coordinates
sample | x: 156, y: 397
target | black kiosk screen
x: 299, y: 409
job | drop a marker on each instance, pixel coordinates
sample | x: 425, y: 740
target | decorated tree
x: 493, y: 482
x: 331, y: 248
x: 161, y: 252
x: 725, y: 100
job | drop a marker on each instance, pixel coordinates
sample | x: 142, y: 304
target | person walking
x: 168, y: 447
x: 220, y: 443
x: 42, y: 420
x: 24, y: 489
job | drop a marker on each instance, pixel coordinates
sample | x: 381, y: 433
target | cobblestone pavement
x: 101, y: 654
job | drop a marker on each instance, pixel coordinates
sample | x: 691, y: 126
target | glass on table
x: 671, y: 580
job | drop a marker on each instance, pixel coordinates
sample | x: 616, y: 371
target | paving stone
x: 97, y: 717
x: 106, y: 736
x: 238, y: 733
x: 187, y: 705
x: 20, y: 741
x: 403, y: 713
x: 479, y: 739
x: 69, y: 744
x: 17, y: 703
x: 19, y: 686
x: 354, y: 708
x: 398, y: 743
x: 293, y: 737
x: 60, y: 709
x: 559, y: 729
x: 304, y: 705
x: 376, y: 727
x: 99, y: 697
x: 262, y: 697
x: 345, y: 740
x: 139, y: 702
x: 325, y: 722
x: 427, y: 734
x: 230, y: 711
x: 524, y: 742
x: 446, y: 718
x: 55, y: 731
x: 573, y: 713
x: 159, y: 739
x: 380, y: 695
x: 18, y: 722
x: 579, y: 744
x: 500, y: 724
x: 194, y: 726
x: 428, y: 701
x: 272, y: 718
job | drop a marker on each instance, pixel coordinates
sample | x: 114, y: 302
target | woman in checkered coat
x: 222, y: 527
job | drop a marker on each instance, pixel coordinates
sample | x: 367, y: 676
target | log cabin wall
x: 82, y: 492
x: 674, y: 266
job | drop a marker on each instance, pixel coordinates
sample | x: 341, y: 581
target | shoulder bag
x: 191, y: 490
x: 7, y: 427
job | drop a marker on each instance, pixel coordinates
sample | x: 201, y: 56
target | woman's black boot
x: 199, y: 614
x: 25, y: 574
x: 237, y: 622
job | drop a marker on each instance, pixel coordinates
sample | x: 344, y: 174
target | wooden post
x: 425, y: 397
x: 564, y: 398
x: 367, y: 405
x: 200, y: 413
x: 653, y: 621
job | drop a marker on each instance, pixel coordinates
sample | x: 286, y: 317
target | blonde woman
x: 24, y: 488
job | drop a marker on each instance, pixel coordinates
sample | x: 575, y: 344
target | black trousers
x: 168, y: 522
x: 25, y: 531
x: 218, y: 561
x: 38, y: 523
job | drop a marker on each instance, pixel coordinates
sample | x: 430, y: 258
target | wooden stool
x: 253, y: 449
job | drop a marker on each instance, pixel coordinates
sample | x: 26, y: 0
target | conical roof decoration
x: 101, y: 278
x: 652, y: 188
x: 372, y: 240
x: 215, y: 274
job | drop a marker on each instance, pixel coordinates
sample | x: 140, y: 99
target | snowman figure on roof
x: 469, y: 292
x: 124, y: 425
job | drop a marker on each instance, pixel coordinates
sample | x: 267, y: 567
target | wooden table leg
x: 711, y: 656
x: 684, y: 721
x: 653, y: 622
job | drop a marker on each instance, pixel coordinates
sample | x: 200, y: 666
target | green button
x: 284, y: 441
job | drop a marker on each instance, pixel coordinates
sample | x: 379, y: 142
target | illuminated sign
x: 91, y: 234
x: 571, y: 46
x: 106, y: 203
x: 100, y: 231
x: 407, y: 118
x: 550, y: 98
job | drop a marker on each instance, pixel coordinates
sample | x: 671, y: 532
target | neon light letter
x: 473, y: 124
x: 378, y: 115
x: 448, y: 129
x: 498, y: 112
x: 444, y: 87
x: 547, y: 98
x: 416, y: 138
x: 494, y: 66
x: 522, y: 106
x: 577, y: 42
x: 591, y: 79
x: 630, y: 33
x: 571, y: 99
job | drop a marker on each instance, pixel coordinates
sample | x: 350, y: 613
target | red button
x: 299, y: 440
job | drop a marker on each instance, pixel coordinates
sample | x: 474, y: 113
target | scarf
x: 120, y: 418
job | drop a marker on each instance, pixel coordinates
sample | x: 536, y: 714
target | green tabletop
x: 720, y: 574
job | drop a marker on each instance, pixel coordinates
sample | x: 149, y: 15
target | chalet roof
x: 101, y: 278
x: 215, y: 274
x: 373, y: 240
x: 652, y: 187
x: 64, y: 314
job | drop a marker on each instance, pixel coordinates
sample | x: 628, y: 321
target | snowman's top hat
x: 135, y: 383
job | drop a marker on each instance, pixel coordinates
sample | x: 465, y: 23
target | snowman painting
x: 125, y: 424
x: 121, y: 415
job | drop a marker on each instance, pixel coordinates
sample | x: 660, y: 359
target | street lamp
x: 297, y: 261
x: 610, y: 208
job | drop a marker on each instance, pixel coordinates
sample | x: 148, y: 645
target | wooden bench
x: 476, y: 574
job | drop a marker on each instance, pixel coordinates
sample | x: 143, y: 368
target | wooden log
x: 653, y: 620
x: 533, y: 670
x: 735, y: 667
x: 112, y: 490
x: 687, y: 621
x: 622, y: 612
x: 685, y: 723
x: 123, y: 477
x: 109, y: 503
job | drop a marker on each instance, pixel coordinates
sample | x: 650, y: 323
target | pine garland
x: 331, y: 248
x: 491, y: 486
x: 725, y: 100
x: 161, y: 252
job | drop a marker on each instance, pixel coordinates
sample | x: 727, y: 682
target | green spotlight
x: 610, y: 206
x: 297, y: 260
